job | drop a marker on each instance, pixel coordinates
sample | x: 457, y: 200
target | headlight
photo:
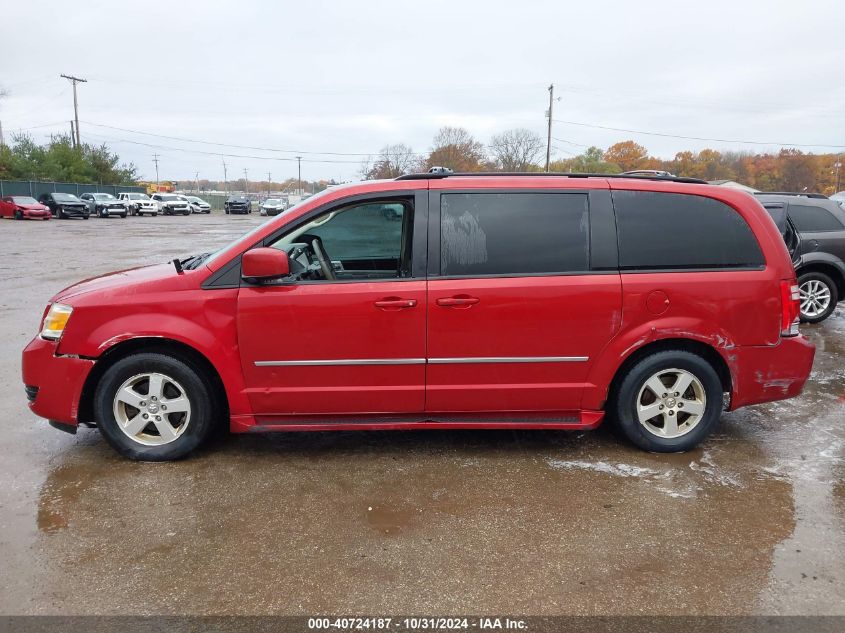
x: 55, y: 321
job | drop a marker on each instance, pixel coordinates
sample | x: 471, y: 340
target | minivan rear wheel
x: 668, y: 402
x: 818, y: 296
x: 153, y: 407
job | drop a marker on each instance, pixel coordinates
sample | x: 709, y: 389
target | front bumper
x: 57, y: 379
x: 769, y: 373
x: 34, y: 214
x: 75, y: 211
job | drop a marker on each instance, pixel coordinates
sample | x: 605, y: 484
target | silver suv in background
x: 104, y: 205
x: 138, y: 203
x: 813, y: 227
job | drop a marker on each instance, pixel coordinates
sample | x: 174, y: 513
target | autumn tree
x: 628, y: 155
x: 391, y: 162
x: 455, y: 148
x: 593, y: 161
x: 516, y: 150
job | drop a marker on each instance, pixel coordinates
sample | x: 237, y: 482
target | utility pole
x: 74, y: 81
x: 268, y: 184
x: 299, y: 173
x: 197, y: 181
x: 2, y: 142
x: 549, y: 137
x: 155, y: 160
x: 246, y: 181
x: 838, y: 165
x: 72, y: 135
x: 225, y: 178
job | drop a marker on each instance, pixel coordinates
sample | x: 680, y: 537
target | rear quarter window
x: 812, y: 219
x: 672, y: 231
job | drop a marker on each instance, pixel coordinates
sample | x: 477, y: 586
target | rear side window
x: 678, y: 231
x: 513, y: 233
x: 810, y: 219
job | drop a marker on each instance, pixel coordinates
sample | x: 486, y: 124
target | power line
x: 695, y: 138
x: 207, y: 153
x: 261, y: 149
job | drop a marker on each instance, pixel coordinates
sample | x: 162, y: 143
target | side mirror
x: 264, y: 264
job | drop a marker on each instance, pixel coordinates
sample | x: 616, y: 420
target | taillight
x: 790, y: 307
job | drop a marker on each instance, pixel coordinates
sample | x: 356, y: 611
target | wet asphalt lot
x: 425, y: 522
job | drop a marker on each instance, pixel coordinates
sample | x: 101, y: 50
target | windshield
x: 272, y: 201
x: 24, y: 200
x: 65, y: 197
x: 168, y: 198
x: 196, y: 200
x: 138, y: 196
x: 247, y: 238
x: 103, y: 196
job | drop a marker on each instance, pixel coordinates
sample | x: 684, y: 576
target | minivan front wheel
x: 154, y: 407
x: 817, y: 295
x: 668, y: 402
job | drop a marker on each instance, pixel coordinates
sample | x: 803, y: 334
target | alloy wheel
x: 152, y: 409
x: 814, y: 297
x: 671, y: 403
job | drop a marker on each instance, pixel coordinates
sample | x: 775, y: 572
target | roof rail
x: 529, y: 174
x: 802, y: 194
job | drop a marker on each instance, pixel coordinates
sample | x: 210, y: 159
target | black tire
x: 623, y: 403
x: 830, y: 285
x: 198, y: 391
x: 227, y: 211
x: 85, y: 216
x: 123, y: 216
x: 19, y: 214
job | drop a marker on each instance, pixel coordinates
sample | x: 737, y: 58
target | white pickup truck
x: 138, y: 203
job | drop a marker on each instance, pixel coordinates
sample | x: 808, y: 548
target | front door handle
x: 395, y: 303
x: 457, y: 301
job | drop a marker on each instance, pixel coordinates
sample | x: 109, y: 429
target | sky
x: 257, y: 82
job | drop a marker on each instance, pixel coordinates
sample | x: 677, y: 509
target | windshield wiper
x: 193, y: 261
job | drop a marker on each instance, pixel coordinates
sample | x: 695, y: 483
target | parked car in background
x: 237, y: 204
x: 171, y: 204
x: 494, y: 302
x: 23, y: 208
x: 813, y: 228
x: 138, y: 203
x: 198, y: 205
x: 64, y: 205
x: 272, y: 206
x: 840, y: 198
x: 104, y: 205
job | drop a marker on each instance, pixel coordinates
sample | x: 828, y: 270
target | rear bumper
x: 766, y: 374
x: 58, y: 380
x: 37, y: 215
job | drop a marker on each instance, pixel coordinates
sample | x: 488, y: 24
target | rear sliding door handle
x: 453, y: 302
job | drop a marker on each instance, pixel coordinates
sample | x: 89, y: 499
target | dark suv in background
x: 64, y: 205
x: 237, y: 204
x: 813, y: 227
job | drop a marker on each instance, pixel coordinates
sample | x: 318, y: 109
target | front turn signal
x: 55, y: 321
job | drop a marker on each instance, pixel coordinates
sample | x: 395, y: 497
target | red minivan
x: 442, y: 301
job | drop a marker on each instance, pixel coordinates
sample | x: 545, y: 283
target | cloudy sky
x: 261, y: 81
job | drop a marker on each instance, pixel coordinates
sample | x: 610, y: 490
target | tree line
x: 521, y: 150
x: 58, y: 160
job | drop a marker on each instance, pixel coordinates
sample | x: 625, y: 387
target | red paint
x: 265, y: 263
x: 601, y: 317
x: 35, y: 211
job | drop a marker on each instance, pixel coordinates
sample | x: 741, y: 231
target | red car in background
x: 23, y: 208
